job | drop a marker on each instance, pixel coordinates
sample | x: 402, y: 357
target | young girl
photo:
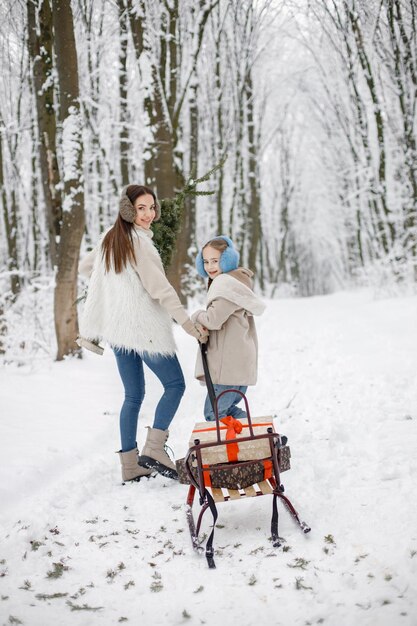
x: 129, y: 305
x: 232, y: 353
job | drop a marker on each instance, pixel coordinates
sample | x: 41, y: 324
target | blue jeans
x: 227, y: 403
x: 169, y: 372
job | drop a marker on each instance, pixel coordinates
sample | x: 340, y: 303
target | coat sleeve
x: 217, y: 313
x: 152, y: 275
x: 85, y: 267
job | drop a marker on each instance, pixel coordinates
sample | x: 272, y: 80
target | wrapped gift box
x: 206, y: 432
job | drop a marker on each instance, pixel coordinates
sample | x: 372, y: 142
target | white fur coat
x: 120, y: 311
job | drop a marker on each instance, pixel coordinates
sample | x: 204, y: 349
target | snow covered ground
x: 78, y: 548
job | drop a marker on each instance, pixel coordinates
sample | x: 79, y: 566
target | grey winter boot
x: 131, y: 470
x: 154, y: 454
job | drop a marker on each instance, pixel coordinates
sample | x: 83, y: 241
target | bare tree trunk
x: 385, y: 224
x: 36, y: 253
x: 189, y: 224
x: 246, y: 198
x: 123, y: 119
x: 254, y: 209
x: 288, y: 186
x: 404, y: 55
x: 164, y: 105
x: 41, y: 54
x: 11, y: 228
x: 100, y: 169
x: 238, y: 196
x: 219, y: 119
x: 66, y: 322
x: 136, y: 26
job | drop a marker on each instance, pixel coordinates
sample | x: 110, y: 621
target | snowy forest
x: 289, y: 126
x: 299, y: 114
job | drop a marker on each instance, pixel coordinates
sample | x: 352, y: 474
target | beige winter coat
x: 232, y: 352
x: 132, y: 309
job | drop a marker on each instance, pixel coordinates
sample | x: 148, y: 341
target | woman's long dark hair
x: 117, y: 247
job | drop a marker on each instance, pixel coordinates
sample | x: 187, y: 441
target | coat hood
x: 236, y: 286
x: 244, y: 275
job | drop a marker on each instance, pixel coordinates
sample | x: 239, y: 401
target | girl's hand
x: 203, y: 332
x: 193, y: 329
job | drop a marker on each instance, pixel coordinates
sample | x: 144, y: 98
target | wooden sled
x: 199, y: 473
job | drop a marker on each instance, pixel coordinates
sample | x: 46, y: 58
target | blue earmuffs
x: 229, y: 259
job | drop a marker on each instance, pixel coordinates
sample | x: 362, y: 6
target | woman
x: 130, y: 304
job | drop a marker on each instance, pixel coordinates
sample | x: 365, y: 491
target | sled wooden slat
x: 217, y: 494
x: 250, y: 492
x: 265, y: 487
x: 234, y: 494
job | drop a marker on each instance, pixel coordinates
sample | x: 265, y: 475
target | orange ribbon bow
x: 234, y: 427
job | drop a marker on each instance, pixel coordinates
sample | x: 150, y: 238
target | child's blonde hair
x: 216, y: 243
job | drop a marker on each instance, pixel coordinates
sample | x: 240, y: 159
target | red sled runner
x: 246, y: 462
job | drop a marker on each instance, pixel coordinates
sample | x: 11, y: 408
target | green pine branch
x: 166, y: 230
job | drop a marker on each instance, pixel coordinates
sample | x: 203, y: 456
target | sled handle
x: 212, y: 395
